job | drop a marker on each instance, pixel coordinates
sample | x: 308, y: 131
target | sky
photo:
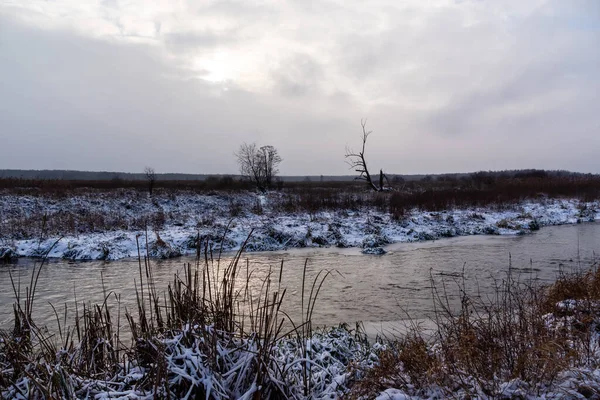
x: 445, y: 86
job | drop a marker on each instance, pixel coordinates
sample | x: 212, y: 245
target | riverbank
x: 115, y: 225
x: 210, y: 340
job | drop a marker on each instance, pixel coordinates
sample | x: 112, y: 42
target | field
x: 82, y: 220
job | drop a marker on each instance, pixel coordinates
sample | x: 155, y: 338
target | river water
x: 368, y: 288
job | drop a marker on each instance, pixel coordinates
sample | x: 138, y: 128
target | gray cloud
x: 456, y: 87
x: 108, y: 106
x: 298, y: 75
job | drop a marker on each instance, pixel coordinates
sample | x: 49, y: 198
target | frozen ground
x: 111, y: 226
x: 337, y: 358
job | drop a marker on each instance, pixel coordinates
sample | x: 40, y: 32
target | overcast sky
x: 447, y: 86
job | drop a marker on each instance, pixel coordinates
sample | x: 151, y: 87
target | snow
x: 393, y: 394
x: 336, y: 358
x: 177, y: 220
x: 327, y: 352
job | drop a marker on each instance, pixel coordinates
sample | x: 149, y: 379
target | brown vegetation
x: 210, y: 320
x: 483, y: 189
x: 209, y: 336
x: 525, y: 334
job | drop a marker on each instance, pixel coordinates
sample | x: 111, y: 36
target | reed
x: 215, y: 334
x: 211, y: 334
x: 525, y: 333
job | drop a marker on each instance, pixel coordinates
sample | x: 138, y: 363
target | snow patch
x: 183, y: 221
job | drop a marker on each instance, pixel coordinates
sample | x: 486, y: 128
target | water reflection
x: 364, y: 287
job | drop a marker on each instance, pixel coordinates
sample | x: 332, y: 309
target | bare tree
x: 269, y: 160
x: 358, y: 162
x: 248, y: 162
x: 150, y: 174
x: 258, y: 164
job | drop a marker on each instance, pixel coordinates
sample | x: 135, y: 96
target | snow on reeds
x: 211, y: 336
x: 524, y: 342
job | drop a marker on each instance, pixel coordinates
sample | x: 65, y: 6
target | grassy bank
x: 100, y: 220
x: 210, y: 335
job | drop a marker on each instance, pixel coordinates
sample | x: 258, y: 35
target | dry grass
x: 209, y: 336
x: 583, y: 286
x: 496, y: 191
x: 525, y: 333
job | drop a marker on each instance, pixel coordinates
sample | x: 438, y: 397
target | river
x: 369, y: 288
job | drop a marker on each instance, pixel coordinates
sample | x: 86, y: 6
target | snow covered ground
x: 579, y: 381
x: 337, y: 360
x: 112, y: 225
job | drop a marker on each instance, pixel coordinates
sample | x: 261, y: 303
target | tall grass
x: 212, y: 334
x: 524, y: 334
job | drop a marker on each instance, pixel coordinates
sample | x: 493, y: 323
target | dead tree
x: 358, y: 162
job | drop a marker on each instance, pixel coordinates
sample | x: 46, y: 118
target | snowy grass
x: 210, y: 336
x: 525, y: 342
x: 213, y: 336
x: 104, y: 225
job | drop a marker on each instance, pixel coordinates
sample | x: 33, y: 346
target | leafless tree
x: 150, y: 174
x: 259, y: 164
x: 358, y: 162
x: 247, y: 162
x: 269, y: 160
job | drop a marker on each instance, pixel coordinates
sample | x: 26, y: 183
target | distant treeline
x: 69, y: 175
x: 93, y: 175
x: 57, y: 174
